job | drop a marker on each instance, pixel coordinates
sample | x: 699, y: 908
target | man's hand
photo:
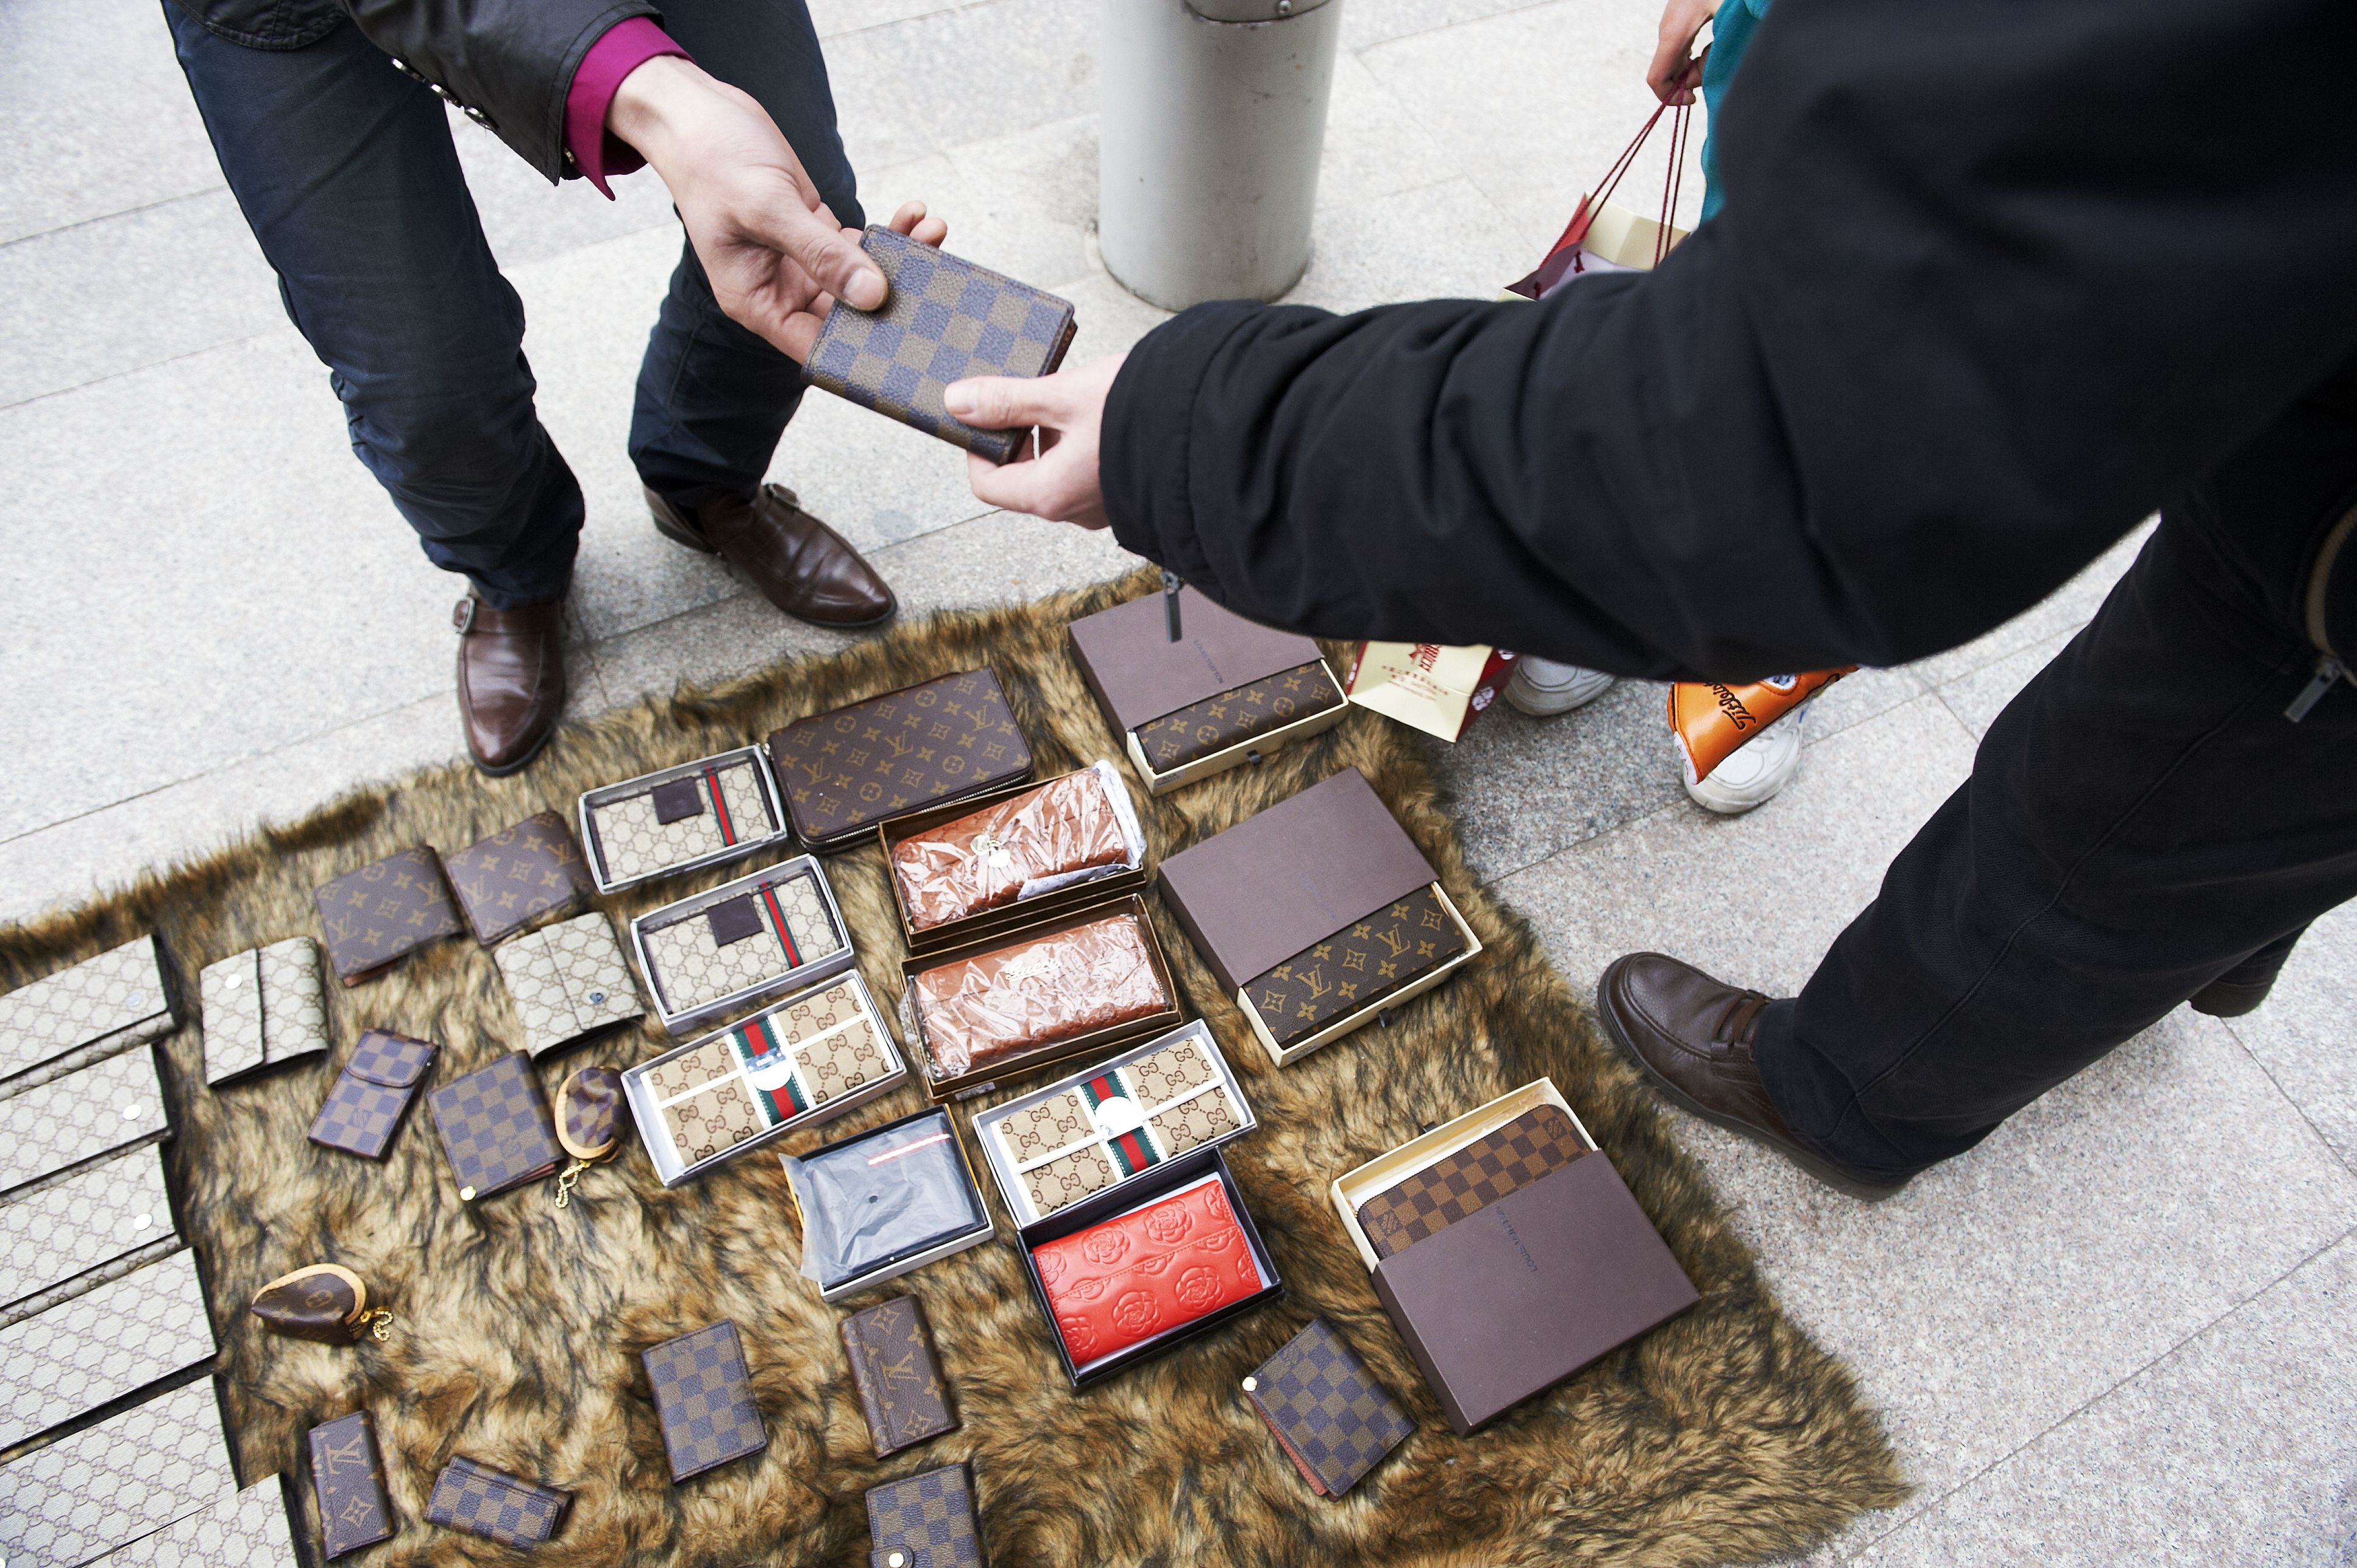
x: 1060, y: 484
x: 1676, y: 71
x: 776, y: 256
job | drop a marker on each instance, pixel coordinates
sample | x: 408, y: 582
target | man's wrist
x: 648, y: 104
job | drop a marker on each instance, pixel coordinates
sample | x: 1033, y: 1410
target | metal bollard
x: 1214, y: 113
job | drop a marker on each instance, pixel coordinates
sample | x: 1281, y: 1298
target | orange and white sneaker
x: 1755, y: 771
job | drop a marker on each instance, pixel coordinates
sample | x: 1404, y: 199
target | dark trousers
x: 345, y: 169
x: 2142, y: 820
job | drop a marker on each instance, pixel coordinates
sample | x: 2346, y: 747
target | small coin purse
x: 349, y: 1482
x: 566, y: 980
x: 494, y: 1505
x: 704, y: 1397
x: 926, y: 1520
x: 1333, y: 1419
x: 325, y: 1301
x: 264, y: 1008
x: 589, y: 1112
x: 517, y: 875
x: 365, y: 1105
x: 381, y: 913
x: 496, y: 1128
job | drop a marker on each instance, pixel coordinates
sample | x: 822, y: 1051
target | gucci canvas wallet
x: 111, y: 1104
x: 242, y: 1531
x: 497, y: 1128
x: 264, y: 1008
x: 108, y: 1484
x: 114, y: 1000
x: 566, y: 980
x: 946, y: 319
x: 93, y: 1348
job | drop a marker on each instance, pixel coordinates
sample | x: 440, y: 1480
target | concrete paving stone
x: 906, y: 89
x: 1374, y: 147
x: 92, y: 85
x: 2066, y: 609
x: 2239, y: 1447
x: 528, y: 220
x: 1021, y: 204
x: 114, y: 293
x: 1440, y: 241
x: 2300, y: 1034
x: 1977, y: 697
x: 269, y: 589
x: 831, y: 17
x: 1856, y: 698
x: 1366, y: 23
x: 1535, y: 105
x: 1522, y: 789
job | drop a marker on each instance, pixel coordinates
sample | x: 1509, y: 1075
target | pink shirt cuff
x: 596, y: 152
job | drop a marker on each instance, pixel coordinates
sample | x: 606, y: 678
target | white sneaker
x: 1541, y: 687
x: 1756, y: 770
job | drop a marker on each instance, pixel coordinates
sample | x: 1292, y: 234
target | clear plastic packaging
x: 882, y: 1198
x: 974, y: 1013
x: 1070, y: 830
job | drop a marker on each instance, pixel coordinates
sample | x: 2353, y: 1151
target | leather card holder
x: 517, y: 875
x: 677, y: 801
x: 843, y: 771
x: 929, y: 1519
x: 1540, y: 1141
x: 347, y: 1480
x: 704, y: 1397
x: 735, y: 920
x: 898, y: 1375
x: 384, y: 911
x: 1334, y: 1420
x: 945, y: 319
x: 492, y: 1504
x: 262, y: 1009
x: 365, y: 1104
x: 114, y: 1000
x: 497, y: 1128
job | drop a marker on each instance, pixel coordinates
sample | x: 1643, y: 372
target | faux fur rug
x: 1727, y: 1435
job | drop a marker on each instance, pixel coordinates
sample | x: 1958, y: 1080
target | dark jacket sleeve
x: 508, y: 64
x: 1994, y: 280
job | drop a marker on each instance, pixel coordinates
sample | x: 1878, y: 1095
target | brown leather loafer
x: 800, y: 565
x: 510, y: 680
x: 1693, y: 1036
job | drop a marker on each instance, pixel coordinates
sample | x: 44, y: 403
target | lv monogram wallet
x: 1539, y: 1141
x: 497, y: 1128
x: 1333, y: 1419
x: 101, y: 1004
x: 494, y: 1505
x: 946, y: 319
x: 704, y: 1397
x: 925, y: 1521
x: 566, y: 980
x: 365, y: 1104
x: 349, y: 1482
x: 898, y: 1378
x: 381, y: 913
x: 927, y: 745
x: 517, y: 875
x: 262, y: 1009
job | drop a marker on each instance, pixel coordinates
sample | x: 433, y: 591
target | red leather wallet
x: 1141, y: 1273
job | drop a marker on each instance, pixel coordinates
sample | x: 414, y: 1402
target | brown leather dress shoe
x: 800, y: 565
x: 510, y: 680
x: 1693, y: 1036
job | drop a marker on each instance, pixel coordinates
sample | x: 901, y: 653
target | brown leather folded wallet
x: 517, y: 875
x: 901, y: 1390
x: 946, y: 319
x: 364, y: 1106
x: 497, y: 1128
x: 942, y: 740
x: 380, y: 914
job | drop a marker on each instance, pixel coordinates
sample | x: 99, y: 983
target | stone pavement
x: 2122, y: 1331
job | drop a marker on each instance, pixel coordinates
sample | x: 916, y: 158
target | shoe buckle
x: 463, y: 616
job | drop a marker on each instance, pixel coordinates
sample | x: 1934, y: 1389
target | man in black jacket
x: 328, y: 119
x: 1994, y: 282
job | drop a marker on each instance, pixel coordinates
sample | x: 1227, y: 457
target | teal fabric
x: 1730, y: 34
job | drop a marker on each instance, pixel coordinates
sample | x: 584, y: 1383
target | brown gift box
x: 1138, y: 675
x: 1518, y: 1296
x: 1304, y: 869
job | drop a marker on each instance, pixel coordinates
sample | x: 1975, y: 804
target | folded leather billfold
x: 381, y: 913
x: 347, y: 1479
x: 1540, y: 1141
x: 704, y: 1397
x: 568, y: 979
x: 517, y: 875
x: 111, y: 1104
x: 945, y: 319
x: 264, y: 1008
x: 497, y: 1128
x: 901, y: 1390
x: 364, y: 1105
x: 494, y: 1505
x: 940, y: 740
x: 100, y: 1005
x: 925, y: 1520
x: 92, y: 1350
x: 1333, y: 1419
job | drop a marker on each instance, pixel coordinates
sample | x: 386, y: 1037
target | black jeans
x: 345, y: 170
x: 2142, y: 820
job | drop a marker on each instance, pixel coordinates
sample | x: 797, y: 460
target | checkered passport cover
x: 704, y: 1396
x: 494, y: 1505
x: 946, y: 319
x: 1539, y: 1141
x: 496, y: 1127
x: 364, y: 1105
x: 929, y: 1519
x: 1334, y: 1420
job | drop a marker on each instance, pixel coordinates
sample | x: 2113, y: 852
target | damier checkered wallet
x: 1333, y: 1419
x: 494, y: 1505
x: 946, y: 319
x: 1540, y: 1141
x: 926, y: 1520
x: 704, y: 1397
x: 364, y: 1107
x: 497, y: 1128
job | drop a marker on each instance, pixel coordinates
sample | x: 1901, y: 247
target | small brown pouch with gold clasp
x: 325, y: 1301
